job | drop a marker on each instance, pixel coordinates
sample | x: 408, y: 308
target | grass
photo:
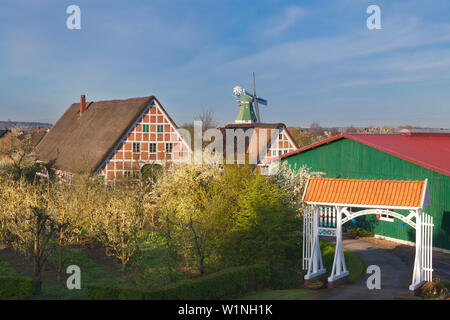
x: 354, y: 263
x: 290, y: 294
x: 90, y: 272
x: 151, y: 260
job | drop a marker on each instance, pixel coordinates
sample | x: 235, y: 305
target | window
x: 280, y: 136
x: 160, y: 128
x: 136, y: 147
x: 145, y: 128
x: 169, y: 147
x: 280, y: 152
x: 152, y: 148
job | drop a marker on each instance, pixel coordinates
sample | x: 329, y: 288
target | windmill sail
x: 248, y: 104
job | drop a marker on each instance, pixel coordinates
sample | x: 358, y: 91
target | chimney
x: 82, y: 104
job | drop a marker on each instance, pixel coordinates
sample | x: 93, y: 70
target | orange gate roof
x: 358, y: 192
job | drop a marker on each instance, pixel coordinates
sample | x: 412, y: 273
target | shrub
x: 358, y: 232
x: 433, y: 289
x: 446, y: 283
x: 266, y: 228
x: 16, y: 288
x: 237, y: 280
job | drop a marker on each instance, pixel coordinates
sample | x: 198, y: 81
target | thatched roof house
x: 111, y: 138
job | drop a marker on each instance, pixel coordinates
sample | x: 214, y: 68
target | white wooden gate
x: 423, y: 264
x: 307, y: 236
x: 318, y: 221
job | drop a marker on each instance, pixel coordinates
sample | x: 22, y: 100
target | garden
x: 181, y: 232
x: 191, y: 231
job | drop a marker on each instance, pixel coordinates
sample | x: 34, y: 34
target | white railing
x: 327, y: 217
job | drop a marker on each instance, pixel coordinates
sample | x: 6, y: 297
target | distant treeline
x: 7, y: 124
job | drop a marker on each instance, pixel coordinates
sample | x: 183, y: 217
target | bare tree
x: 24, y: 211
x: 66, y: 206
x: 207, y: 119
x: 16, y: 148
x: 316, y: 129
x: 119, y: 221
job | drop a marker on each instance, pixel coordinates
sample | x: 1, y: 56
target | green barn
x: 403, y: 156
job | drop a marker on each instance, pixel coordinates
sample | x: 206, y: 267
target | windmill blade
x: 261, y: 101
x: 258, y: 99
x: 255, y: 100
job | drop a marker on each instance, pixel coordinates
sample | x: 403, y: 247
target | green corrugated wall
x: 346, y: 158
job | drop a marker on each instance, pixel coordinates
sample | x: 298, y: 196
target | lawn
x: 91, y: 271
x: 98, y: 272
x: 354, y: 263
x: 290, y: 294
x: 95, y: 267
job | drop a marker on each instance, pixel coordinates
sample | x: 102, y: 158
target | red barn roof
x: 431, y: 150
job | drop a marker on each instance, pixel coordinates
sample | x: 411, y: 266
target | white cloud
x: 283, y: 21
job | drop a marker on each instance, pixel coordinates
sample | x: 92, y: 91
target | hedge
x: 237, y: 280
x: 14, y: 288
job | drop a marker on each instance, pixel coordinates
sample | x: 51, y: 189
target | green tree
x: 266, y: 229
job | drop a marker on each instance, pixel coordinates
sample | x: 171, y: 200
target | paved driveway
x: 395, y: 275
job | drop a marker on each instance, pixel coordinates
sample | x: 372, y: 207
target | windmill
x: 248, y: 104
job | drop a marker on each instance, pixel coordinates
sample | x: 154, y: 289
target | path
x: 395, y: 275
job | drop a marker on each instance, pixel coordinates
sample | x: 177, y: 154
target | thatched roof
x: 37, y: 135
x: 81, y: 143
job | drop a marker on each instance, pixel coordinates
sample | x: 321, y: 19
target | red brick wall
x: 124, y: 160
x: 282, y: 145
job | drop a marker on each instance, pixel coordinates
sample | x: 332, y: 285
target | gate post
x: 315, y: 265
x: 423, y: 263
x: 339, y: 267
x: 418, y: 279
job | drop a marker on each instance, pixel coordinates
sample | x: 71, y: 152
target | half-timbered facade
x: 266, y: 141
x: 153, y: 139
x: 113, y: 139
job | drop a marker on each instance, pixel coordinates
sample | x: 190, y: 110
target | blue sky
x: 314, y: 60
